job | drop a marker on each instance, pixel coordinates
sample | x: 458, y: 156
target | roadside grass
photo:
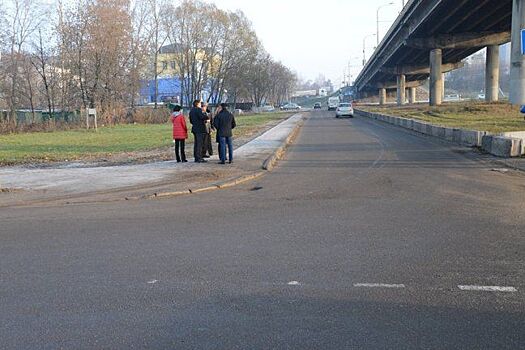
x: 491, y: 117
x: 42, y: 147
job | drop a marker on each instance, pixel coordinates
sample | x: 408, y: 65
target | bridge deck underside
x: 444, y: 17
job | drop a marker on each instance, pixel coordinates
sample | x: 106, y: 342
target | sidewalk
x: 79, y: 183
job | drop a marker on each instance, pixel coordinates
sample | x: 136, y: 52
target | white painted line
x: 294, y: 283
x: 378, y: 285
x: 488, y: 289
x: 152, y: 282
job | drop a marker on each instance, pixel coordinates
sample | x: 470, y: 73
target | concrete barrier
x: 517, y: 135
x: 449, y: 134
x: 456, y: 135
x: 438, y: 131
x: 472, y: 137
x: 419, y: 126
x: 502, y: 146
x: 510, y: 144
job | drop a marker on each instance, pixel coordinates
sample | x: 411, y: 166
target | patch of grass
x: 491, y: 117
x: 83, y: 144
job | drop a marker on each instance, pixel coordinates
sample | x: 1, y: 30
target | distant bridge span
x: 432, y: 37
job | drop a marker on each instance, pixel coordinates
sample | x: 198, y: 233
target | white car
x: 344, y: 110
x: 291, y: 107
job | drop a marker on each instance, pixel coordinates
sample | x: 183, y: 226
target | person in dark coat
x: 207, y: 149
x: 224, y: 123
x: 198, y: 121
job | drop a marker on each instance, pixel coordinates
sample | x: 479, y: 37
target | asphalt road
x: 365, y: 237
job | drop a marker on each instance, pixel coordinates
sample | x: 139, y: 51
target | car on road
x: 317, y: 105
x: 333, y: 102
x: 344, y: 110
x: 291, y: 107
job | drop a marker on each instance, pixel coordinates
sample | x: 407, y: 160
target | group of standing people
x: 204, y: 122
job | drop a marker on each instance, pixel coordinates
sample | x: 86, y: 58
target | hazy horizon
x: 314, y: 39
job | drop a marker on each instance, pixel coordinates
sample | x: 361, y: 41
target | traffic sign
x: 523, y: 41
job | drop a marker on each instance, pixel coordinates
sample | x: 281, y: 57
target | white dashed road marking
x: 488, y: 289
x: 294, y: 283
x: 152, y: 282
x: 378, y: 285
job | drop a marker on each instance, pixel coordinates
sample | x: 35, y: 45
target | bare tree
x: 24, y: 18
x: 96, y: 53
x: 158, y: 38
x: 41, y: 61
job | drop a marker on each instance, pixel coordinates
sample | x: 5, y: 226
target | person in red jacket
x: 180, y: 133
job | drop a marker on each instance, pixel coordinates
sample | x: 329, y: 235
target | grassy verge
x: 492, y: 117
x: 41, y: 147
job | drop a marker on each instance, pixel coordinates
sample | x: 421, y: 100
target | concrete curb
x: 268, y: 165
x: 497, y: 145
x: 270, y: 162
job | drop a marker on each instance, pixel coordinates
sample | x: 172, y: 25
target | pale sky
x: 316, y: 37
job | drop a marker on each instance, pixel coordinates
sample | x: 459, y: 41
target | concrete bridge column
x: 412, y: 98
x: 436, y: 77
x: 517, y: 70
x: 401, y: 89
x: 492, y: 74
x: 382, y: 96
x: 443, y: 87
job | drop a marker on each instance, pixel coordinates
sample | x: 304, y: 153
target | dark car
x: 317, y: 105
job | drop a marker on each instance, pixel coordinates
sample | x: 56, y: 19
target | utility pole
x: 517, y: 71
x: 364, y: 47
x: 377, y: 19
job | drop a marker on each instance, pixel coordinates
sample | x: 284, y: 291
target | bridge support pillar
x: 401, y: 89
x: 517, y: 70
x: 436, y: 77
x: 443, y: 87
x: 412, y: 95
x: 492, y: 74
x: 382, y: 96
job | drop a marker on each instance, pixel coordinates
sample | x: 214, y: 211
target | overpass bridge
x: 432, y: 37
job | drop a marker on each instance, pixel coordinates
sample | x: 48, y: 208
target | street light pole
x: 364, y: 47
x: 377, y: 19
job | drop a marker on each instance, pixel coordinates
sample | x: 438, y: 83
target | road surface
x: 365, y: 237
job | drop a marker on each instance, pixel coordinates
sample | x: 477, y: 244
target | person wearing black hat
x: 224, y: 123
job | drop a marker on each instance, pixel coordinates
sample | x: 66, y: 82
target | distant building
x: 305, y: 93
x: 169, y: 90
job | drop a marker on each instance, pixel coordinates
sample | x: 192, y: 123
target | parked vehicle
x: 267, y: 108
x: 452, y: 97
x: 333, y: 103
x: 344, y: 110
x: 317, y: 105
x: 291, y: 107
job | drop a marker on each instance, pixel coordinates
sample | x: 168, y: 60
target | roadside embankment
x: 504, y: 144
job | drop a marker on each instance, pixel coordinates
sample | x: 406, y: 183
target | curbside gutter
x: 267, y: 166
x: 270, y: 162
x: 504, y: 145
